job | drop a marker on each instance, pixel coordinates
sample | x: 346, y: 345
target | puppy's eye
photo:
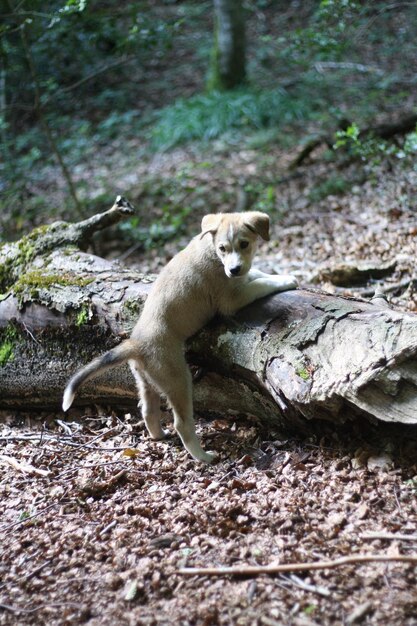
x: 244, y: 244
x: 222, y: 248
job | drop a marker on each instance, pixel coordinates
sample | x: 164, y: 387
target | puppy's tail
x: 116, y: 356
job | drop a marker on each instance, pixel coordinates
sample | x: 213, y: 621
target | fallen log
x: 286, y: 359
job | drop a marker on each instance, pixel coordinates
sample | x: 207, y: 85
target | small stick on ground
x: 295, y: 580
x: 107, y: 528
x: 388, y: 536
x: 257, y: 570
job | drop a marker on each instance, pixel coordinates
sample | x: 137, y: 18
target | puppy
x: 211, y: 275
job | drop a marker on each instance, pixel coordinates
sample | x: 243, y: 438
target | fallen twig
x: 65, y: 427
x: 322, y: 66
x: 107, y: 528
x: 390, y: 287
x: 21, y: 466
x: 295, y: 580
x: 398, y: 536
x: 63, y: 441
x: 19, y: 609
x: 257, y: 570
x: 359, y: 613
x: 309, y: 147
x: 37, y: 570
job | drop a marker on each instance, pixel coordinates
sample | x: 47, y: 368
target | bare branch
x: 258, y: 570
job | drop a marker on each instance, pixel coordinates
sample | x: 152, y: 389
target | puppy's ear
x: 258, y: 223
x: 210, y: 223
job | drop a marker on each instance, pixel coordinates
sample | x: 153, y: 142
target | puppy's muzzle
x: 235, y: 271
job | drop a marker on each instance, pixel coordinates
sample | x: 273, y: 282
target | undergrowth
x: 109, y: 81
x: 209, y: 116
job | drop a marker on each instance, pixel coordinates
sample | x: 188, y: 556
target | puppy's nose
x: 235, y: 270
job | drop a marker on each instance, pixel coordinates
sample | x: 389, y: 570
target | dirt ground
x: 97, y: 521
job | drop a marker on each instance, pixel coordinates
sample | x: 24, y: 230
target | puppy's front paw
x: 292, y: 282
x: 285, y: 282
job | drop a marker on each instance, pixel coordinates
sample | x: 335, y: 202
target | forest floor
x: 98, y: 521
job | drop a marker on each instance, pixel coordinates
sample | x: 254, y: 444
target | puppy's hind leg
x: 149, y: 402
x: 181, y: 401
x: 173, y: 378
x: 182, y: 407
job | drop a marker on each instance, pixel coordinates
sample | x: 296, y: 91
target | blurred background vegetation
x: 91, y: 89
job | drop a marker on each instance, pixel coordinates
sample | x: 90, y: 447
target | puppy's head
x: 235, y: 238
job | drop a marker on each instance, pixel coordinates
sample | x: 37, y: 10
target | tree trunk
x: 286, y: 359
x: 228, y: 63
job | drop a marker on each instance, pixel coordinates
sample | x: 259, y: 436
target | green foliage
x: 267, y: 199
x: 323, y: 59
x: 82, y: 316
x: 264, y: 196
x: 208, y: 116
x: 373, y: 149
x: 348, y: 55
x: 8, y: 339
x: 348, y: 136
x: 310, y: 609
x: 70, y: 64
x: 326, y: 37
x: 111, y: 73
x: 303, y: 373
x: 6, y: 353
x: 85, y: 38
x: 169, y: 226
x: 410, y: 145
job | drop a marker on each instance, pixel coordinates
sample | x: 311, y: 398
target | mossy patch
x: 17, y: 257
x: 132, y: 308
x: 32, y: 282
x: 6, y: 353
x: 303, y: 373
x: 6, y: 269
x: 14, y: 258
x: 82, y: 316
x: 8, y: 340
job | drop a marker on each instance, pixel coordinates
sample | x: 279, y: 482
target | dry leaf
x: 131, y: 453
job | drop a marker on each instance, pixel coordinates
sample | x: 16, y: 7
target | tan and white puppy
x: 211, y: 275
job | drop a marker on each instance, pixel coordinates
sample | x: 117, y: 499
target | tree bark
x: 228, y: 63
x: 286, y: 359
